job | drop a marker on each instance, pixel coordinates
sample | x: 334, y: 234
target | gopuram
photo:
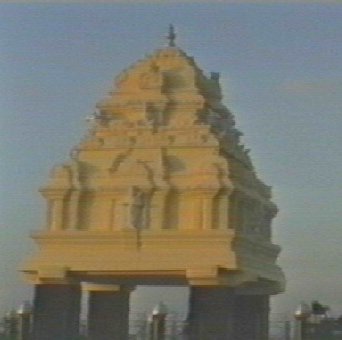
x: 159, y: 192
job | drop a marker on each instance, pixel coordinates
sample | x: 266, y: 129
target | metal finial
x: 171, y: 37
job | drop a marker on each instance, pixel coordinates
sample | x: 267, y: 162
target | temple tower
x: 159, y: 191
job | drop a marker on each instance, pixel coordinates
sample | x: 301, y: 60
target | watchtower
x: 159, y: 192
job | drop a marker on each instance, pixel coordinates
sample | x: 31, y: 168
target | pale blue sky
x: 281, y: 72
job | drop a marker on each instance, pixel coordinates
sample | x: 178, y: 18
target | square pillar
x: 264, y: 313
x: 56, y: 312
x: 217, y: 313
x: 108, y: 312
x: 211, y: 312
x: 251, y: 317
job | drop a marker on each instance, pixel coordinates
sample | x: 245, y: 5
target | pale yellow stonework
x: 160, y: 190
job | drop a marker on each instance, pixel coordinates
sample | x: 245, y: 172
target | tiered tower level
x: 159, y: 192
x: 160, y: 188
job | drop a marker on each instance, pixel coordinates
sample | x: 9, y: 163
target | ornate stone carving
x: 137, y: 207
x: 163, y: 155
x: 150, y: 80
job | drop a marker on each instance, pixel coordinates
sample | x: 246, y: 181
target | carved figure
x: 137, y: 207
x: 150, y: 80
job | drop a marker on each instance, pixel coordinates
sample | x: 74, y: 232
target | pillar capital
x: 101, y: 287
x: 50, y: 274
x: 54, y: 193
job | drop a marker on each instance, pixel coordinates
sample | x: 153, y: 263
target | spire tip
x: 171, y: 37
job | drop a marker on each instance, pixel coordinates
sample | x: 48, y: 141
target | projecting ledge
x: 129, y: 237
x: 48, y: 274
x: 216, y: 276
x: 246, y: 282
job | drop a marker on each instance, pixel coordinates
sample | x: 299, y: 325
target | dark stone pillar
x: 264, y: 303
x: 211, y: 314
x: 108, y: 314
x: 251, y: 317
x: 56, y: 312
